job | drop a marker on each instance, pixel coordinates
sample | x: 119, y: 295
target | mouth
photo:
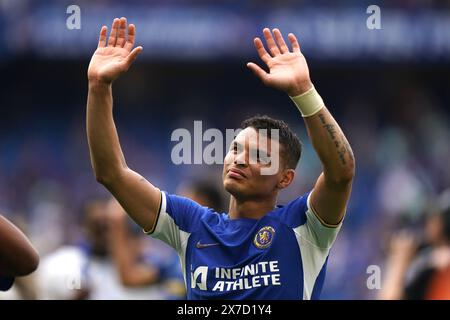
x: 236, y: 174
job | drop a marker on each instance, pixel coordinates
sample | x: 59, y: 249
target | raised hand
x: 115, y: 55
x: 288, y: 71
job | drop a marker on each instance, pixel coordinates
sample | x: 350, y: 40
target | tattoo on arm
x: 322, y: 118
x: 342, y: 146
x: 341, y: 152
x: 331, y: 130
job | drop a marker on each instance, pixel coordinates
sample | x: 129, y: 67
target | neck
x: 253, y: 209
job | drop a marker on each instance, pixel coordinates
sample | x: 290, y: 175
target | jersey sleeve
x: 300, y: 213
x: 178, y: 217
x: 314, y: 239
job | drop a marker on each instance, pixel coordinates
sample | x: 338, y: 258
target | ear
x: 287, y: 176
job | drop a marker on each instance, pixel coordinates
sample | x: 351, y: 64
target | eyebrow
x: 259, y: 150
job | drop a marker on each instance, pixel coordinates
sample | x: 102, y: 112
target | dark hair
x: 291, y: 147
x: 209, y: 191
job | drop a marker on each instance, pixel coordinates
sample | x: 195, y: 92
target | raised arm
x: 112, y: 58
x: 18, y: 257
x: 288, y: 71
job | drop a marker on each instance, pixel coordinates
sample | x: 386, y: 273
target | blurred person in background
x: 204, y: 192
x: 18, y: 257
x: 421, y: 271
x: 104, y: 265
x: 140, y: 263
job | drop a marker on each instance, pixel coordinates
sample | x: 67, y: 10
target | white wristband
x: 309, y: 102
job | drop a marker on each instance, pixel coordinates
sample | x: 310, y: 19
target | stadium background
x: 388, y: 89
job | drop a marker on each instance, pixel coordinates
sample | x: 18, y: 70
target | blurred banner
x: 211, y: 32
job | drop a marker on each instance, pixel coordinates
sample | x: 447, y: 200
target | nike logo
x: 206, y: 245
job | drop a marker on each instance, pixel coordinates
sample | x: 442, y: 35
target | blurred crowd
x: 407, y: 4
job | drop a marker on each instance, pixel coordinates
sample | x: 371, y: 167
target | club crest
x: 264, y: 237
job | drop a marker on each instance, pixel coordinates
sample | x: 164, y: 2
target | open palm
x: 114, y: 57
x: 288, y: 71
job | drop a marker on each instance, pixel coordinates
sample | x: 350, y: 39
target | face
x: 247, y: 164
x: 96, y: 226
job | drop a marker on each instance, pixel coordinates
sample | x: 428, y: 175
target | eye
x: 235, y: 148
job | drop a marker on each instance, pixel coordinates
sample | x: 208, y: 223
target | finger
x: 121, y: 35
x: 294, y: 42
x: 280, y: 41
x: 113, y: 34
x: 133, y: 55
x: 130, y: 40
x: 273, y: 48
x: 263, y: 54
x: 258, y: 71
x: 102, y: 38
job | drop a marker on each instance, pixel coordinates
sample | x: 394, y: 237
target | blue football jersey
x: 283, y: 255
x: 6, y: 283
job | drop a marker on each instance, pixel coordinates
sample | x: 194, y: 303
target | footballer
x: 258, y: 250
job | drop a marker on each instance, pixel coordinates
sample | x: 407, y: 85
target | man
x: 258, y: 250
x: 18, y: 257
x: 421, y: 271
